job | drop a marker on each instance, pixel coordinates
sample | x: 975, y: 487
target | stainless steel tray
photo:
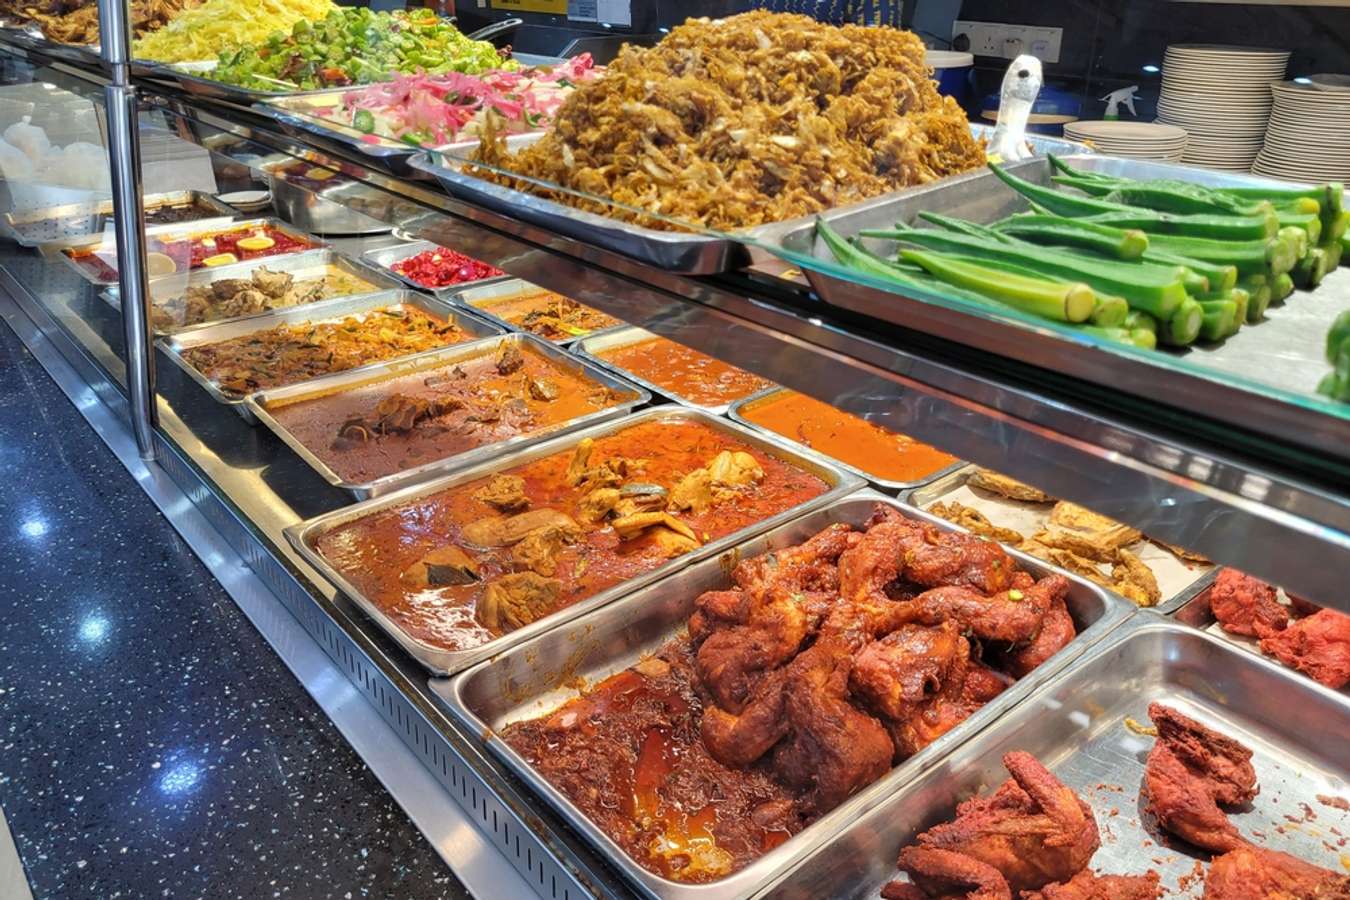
x: 34, y: 227
x: 311, y: 209
x: 737, y: 415
x: 172, y: 232
x: 526, y: 682
x: 444, y: 662
x: 1176, y: 580
x: 194, y: 77
x: 1075, y: 725
x: 386, y: 257
x: 1259, y: 379
x: 175, y: 345
x: 305, y: 265
x: 479, y: 296
x: 589, y: 348
x: 685, y: 252
x: 1196, y: 613
x: 294, y: 113
x: 261, y: 403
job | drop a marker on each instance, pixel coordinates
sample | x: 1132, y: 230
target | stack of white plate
x: 1309, y: 134
x: 1136, y: 140
x: 1221, y: 96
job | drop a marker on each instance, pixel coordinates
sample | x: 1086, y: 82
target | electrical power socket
x: 1010, y: 41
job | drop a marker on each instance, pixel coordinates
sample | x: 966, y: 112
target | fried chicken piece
x: 1245, y: 605
x: 834, y: 748
x: 738, y: 739
x: 908, y: 666
x: 946, y: 874
x: 1318, y: 646
x: 961, y: 560
x: 1000, y: 484
x: 1033, y: 831
x: 1089, y: 886
x: 765, y: 625
x: 1057, y: 630
x: 975, y: 522
x: 1255, y: 873
x: 875, y: 561
x: 1014, y: 616
x: 1191, y: 771
x: 968, y: 686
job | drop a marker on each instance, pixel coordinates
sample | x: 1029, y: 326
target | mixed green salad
x: 353, y: 45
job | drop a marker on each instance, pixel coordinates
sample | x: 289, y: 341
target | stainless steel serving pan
x: 1076, y: 725
x: 529, y: 681
x: 1182, y: 589
x: 262, y: 403
x: 194, y: 78
x: 309, y: 208
x: 305, y: 265
x: 738, y: 410
x: 386, y: 257
x: 1196, y: 613
x: 676, y: 251
x: 305, y: 535
x: 174, y: 346
x: 35, y: 227
x: 478, y: 298
x: 1259, y: 379
x: 591, y: 346
x: 174, y: 232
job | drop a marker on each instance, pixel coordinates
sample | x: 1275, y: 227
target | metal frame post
x: 124, y: 146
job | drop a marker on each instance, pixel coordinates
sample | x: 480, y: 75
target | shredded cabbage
x: 216, y: 26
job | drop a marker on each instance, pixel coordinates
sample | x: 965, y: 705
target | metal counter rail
x: 1188, y: 481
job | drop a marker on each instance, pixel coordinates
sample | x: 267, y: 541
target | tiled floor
x: 151, y: 743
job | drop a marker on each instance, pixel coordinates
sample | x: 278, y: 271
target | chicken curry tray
x: 389, y: 425
x: 716, y: 726
x: 459, y: 568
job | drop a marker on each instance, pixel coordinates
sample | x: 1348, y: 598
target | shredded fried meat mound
x: 756, y: 118
x: 76, y: 21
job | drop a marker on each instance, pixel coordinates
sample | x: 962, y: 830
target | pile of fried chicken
x: 1034, y: 837
x: 836, y: 659
x: 76, y: 21
x: 754, y: 118
x: 1074, y: 538
x: 1305, y: 637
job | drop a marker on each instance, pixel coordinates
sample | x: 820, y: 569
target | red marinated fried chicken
x: 1087, y: 886
x: 1012, y: 616
x: 946, y: 874
x: 1318, y: 646
x: 961, y: 560
x: 1191, y: 770
x: 1245, y: 605
x: 908, y: 666
x: 1033, y: 831
x: 1254, y: 873
x: 967, y: 688
x: 763, y: 625
x: 1057, y: 630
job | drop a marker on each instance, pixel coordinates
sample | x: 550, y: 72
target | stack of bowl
x: 1136, y: 140
x: 1221, y: 96
x: 1309, y: 134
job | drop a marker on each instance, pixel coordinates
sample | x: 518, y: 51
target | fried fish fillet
x: 1004, y: 486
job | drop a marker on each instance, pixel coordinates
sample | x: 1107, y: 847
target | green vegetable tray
x: 1262, y: 379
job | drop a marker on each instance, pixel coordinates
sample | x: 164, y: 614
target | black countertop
x: 151, y: 742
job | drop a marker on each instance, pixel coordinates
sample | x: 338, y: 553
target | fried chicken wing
x: 1254, y: 873
x: 1191, y: 770
x: 1088, y: 886
x: 1245, y: 605
x: 1318, y: 646
x: 1033, y: 831
x: 946, y: 874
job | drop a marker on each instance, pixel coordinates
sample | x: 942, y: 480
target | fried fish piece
x: 1004, y: 486
x: 1182, y: 553
x: 1065, y: 559
x: 1098, y: 528
x: 1134, y: 580
x: 975, y: 522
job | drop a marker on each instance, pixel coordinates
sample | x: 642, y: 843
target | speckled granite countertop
x: 151, y: 743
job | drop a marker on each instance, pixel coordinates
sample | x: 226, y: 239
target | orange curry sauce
x: 551, y: 316
x: 684, y: 371
x: 870, y: 448
x: 373, y: 552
